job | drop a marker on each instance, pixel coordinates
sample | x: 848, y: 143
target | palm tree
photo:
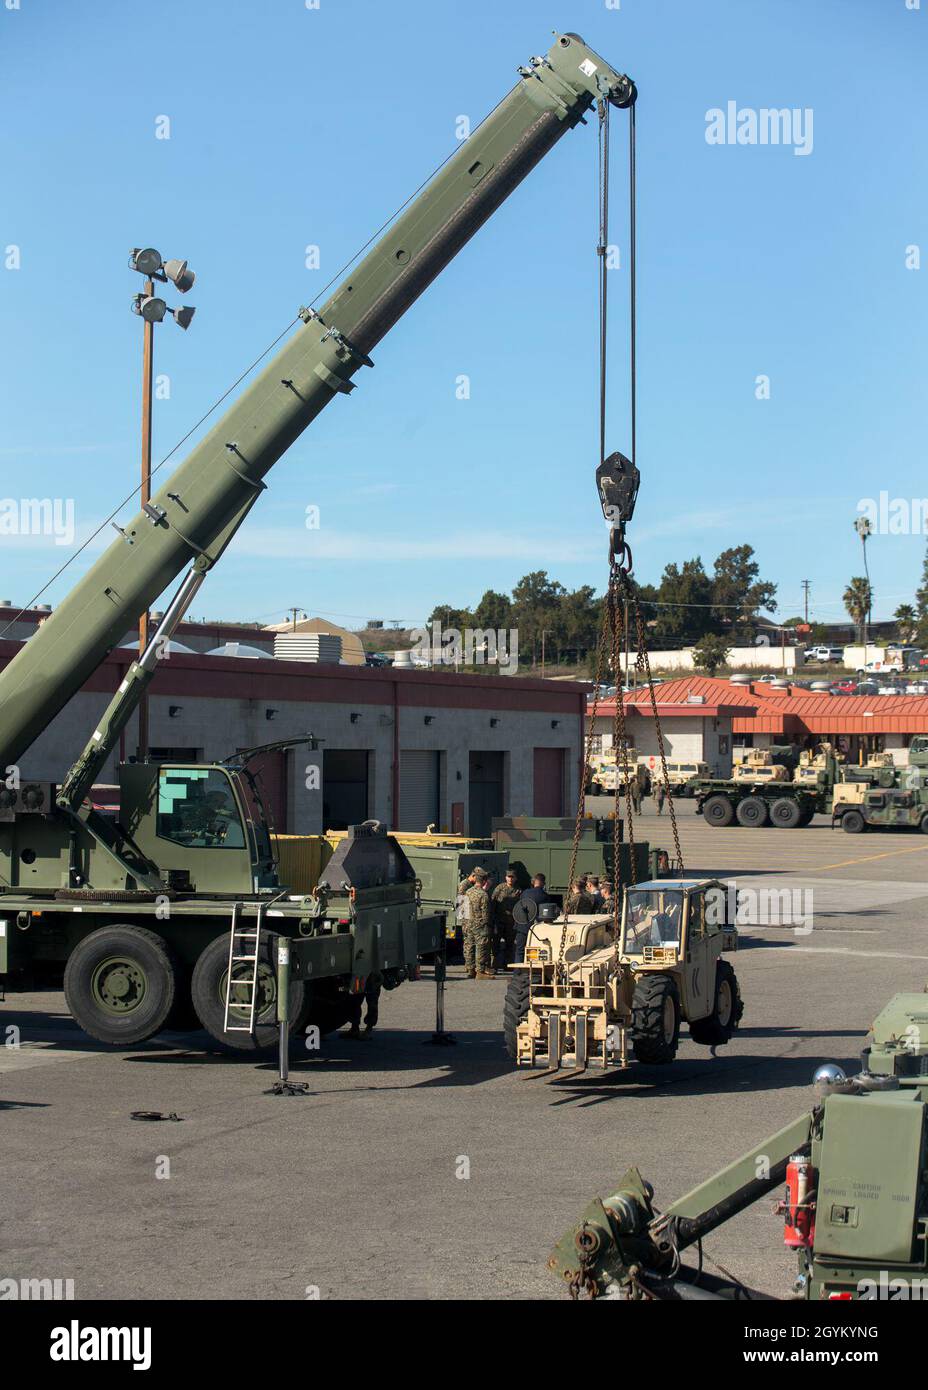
x: 857, y: 600
x: 907, y: 621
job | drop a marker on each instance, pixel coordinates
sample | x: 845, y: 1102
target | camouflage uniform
x: 580, y: 904
x: 502, y: 901
x: 477, y: 955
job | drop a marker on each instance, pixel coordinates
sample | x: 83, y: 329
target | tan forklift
x: 587, y: 994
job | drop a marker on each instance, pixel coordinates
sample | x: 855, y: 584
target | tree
x: 493, y: 611
x: 535, y: 599
x: 857, y: 599
x: 683, y: 605
x: 738, y: 594
x: 921, y: 602
x: 906, y: 622
x: 711, y: 653
x: 578, y: 620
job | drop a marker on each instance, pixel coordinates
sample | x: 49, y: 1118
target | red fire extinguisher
x: 798, y: 1206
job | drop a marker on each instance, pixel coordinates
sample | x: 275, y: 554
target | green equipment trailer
x: 176, y: 900
x: 541, y: 844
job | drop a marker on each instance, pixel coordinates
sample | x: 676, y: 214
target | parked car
x: 845, y: 687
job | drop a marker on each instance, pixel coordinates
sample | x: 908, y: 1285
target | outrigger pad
x: 367, y: 858
x: 618, y: 479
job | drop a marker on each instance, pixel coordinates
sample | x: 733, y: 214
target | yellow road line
x: 887, y: 854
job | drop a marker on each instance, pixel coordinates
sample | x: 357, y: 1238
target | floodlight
x: 146, y: 261
x: 183, y: 315
x: 182, y: 277
x: 151, y: 310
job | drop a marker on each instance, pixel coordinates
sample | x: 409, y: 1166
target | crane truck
x: 176, y: 901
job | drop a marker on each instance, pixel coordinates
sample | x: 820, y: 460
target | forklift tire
x: 208, y: 992
x: 515, y: 1009
x: 655, y: 1019
x: 853, y: 822
x: 120, y: 984
x: 924, y: 825
x: 727, y: 1009
x: 807, y: 815
x: 752, y: 811
x: 785, y: 813
x: 718, y: 811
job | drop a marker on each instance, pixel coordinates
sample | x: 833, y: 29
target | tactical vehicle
x: 858, y: 807
x: 854, y: 1182
x: 182, y: 882
x: 580, y: 997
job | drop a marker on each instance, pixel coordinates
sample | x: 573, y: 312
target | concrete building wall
x: 753, y: 658
x: 213, y: 727
x: 687, y: 738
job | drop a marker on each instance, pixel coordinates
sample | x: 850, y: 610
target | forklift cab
x: 668, y: 920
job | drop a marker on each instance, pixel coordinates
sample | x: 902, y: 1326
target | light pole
x: 863, y: 528
x: 148, y: 262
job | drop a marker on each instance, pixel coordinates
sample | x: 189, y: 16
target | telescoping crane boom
x: 87, y: 890
x: 198, y: 510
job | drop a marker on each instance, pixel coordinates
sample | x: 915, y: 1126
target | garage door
x: 548, y: 785
x: 419, y: 772
x: 344, y: 787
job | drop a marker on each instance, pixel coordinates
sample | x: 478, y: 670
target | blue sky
x: 292, y: 127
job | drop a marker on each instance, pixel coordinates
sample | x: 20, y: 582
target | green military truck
x: 541, y: 844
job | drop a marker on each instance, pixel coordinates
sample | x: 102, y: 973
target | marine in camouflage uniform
x: 502, y: 900
x: 478, y: 963
x: 579, y: 901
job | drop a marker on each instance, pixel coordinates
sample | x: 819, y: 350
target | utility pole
x: 148, y: 262
x: 863, y: 528
x: 806, y: 586
x: 294, y: 612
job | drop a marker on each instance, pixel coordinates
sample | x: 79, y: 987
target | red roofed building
x: 705, y: 718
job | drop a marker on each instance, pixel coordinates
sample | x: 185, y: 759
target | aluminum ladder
x: 240, y: 938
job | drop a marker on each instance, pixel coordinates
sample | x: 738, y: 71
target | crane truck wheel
x: 120, y: 984
x: 208, y: 992
x: 655, y: 1019
x: 727, y: 1009
x: 752, y: 811
x: 853, y: 822
x: 785, y: 813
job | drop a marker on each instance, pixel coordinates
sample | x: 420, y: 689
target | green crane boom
x: 191, y: 520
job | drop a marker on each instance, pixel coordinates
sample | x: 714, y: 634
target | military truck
x: 182, y: 882
x: 761, y: 794
x: 542, y: 844
x: 607, y: 772
x: 580, y: 997
x: 858, y: 807
x: 854, y: 1185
